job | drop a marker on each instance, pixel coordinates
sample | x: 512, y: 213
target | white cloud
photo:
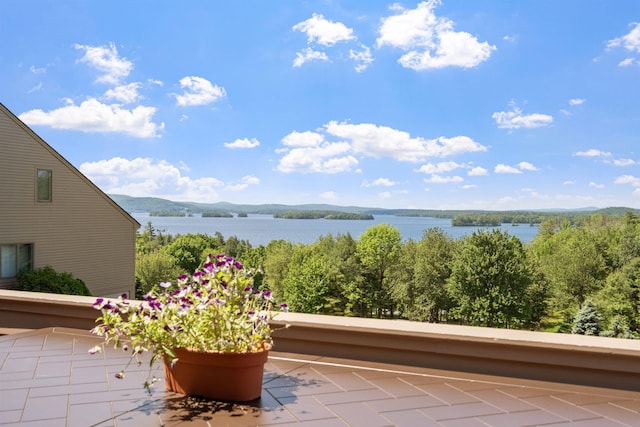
x: 526, y: 166
x: 568, y: 183
x: 439, y: 167
x: 478, y: 171
x: 307, y: 55
x: 384, y: 195
x: 35, y: 88
x: 243, y: 184
x: 631, y: 180
x: 106, y: 60
x: 93, y: 116
x: 36, y: 70
x: 312, y: 152
x: 339, y: 164
x: 592, y: 152
x: 628, y: 179
x: 577, y: 101
x: 382, y: 141
x: 380, y: 182
x: 184, y: 167
x: 502, y: 168
x: 124, y: 93
x: 514, y: 119
x: 148, y: 177
x: 430, y: 41
x: 362, y: 58
x: 324, y: 32
x: 243, y: 143
x: 522, y: 166
x: 198, y: 91
x: 326, y: 158
x: 438, y: 179
x: 303, y: 139
x: 468, y: 186
x: 624, y: 162
x: 630, y: 41
x: 627, y: 62
x: 595, y: 185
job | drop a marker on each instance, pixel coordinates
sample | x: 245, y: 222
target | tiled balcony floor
x: 48, y: 379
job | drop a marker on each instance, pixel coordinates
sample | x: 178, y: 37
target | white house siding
x: 82, y: 231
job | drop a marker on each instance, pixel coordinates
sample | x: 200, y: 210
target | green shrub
x: 46, y: 279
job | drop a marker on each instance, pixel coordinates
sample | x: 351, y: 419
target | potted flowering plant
x: 210, y: 317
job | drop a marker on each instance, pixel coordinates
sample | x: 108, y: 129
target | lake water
x: 262, y: 229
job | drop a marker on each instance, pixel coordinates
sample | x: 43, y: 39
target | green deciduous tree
x: 235, y: 247
x: 254, y: 258
x: 620, y: 296
x: 278, y: 253
x: 489, y: 279
x: 378, y: 248
x: 307, y: 285
x: 190, y: 249
x: 349, y: 284
x: 573, y: 263
x: 426, y: 264
x: 154, y: 268
x: 537, y: 293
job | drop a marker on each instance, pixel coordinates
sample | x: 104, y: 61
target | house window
x: 44, y: 185
x: 14, y: 259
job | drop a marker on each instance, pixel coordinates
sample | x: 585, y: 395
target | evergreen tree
x: 587, y: 320
x: 618, y: 329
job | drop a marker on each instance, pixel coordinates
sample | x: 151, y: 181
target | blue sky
x: 484, y: 104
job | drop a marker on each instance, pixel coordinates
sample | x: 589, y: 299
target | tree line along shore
x: 573, y: 273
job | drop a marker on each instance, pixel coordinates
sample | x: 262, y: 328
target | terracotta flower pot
x: 233, y: 377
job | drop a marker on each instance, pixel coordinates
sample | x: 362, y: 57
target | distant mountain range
x: 155, y: 204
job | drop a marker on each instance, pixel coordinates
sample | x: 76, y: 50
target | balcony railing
x: 571, y: 359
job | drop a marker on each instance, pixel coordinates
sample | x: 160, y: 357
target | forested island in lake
x: 322, y: 215
x: 170, y: 213
x: 216, y: 214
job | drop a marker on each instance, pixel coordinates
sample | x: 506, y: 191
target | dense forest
x: 496, y: 218
x: 580, y: 276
